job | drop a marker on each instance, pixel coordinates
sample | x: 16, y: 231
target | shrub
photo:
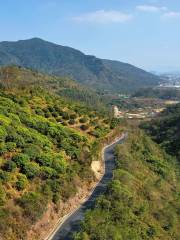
x: 45, y: 159
x: 51, y: 109
x: 60, y: 165
x: 2, y: 195
x: 33, y: 204
x: 11, y: 146
x: 3, y: 148
x: 72, y: 122
x: 94, y: 134
x: 14, y: 137
x: 84, y: 127
x: 3, y: 134
x: 39, y: 112
x: 21, y: 182
x: 83, y: 120
x: 73, y: 116
x: 65, y: 116
x: 30, y: 169
x: 9, y: 166
x: 55, y: 114
x: 59, y: 119
x: 32, y: 151
x: 47, y: 114
x: 21, y: 159
x: 47, y: 172
x: 4, y: 176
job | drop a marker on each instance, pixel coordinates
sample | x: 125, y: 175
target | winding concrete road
x: 66, y: 229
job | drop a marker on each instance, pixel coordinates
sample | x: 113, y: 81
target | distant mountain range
x: 106, y: 75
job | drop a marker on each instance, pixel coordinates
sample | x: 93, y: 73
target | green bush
x: 11, y: 146
x: 83, y: 120
x: 60, y: 165
x: 45, y: 159
x: 22, y: 182
x: 84, y: 127
x: 9, y: 166
x: 3, y: 134
x: 47, y: 172
x: 30, y: 169
x: 32, y: 151
x: 3, y: 148
x: 65, y: 116
x: 2, y: 195
x: 71, y: 121
x: 73, y: 116
x: 4, y: 176
x: 21, y: 159
x: 33, y: 204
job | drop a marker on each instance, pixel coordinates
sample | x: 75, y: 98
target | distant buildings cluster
x: 140, y: 114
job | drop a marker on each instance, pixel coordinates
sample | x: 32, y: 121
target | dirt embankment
x: 54, y: 213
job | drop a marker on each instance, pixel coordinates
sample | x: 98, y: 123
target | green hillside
x: 47, y: 143
x: 65, y: 61
x: 142, y: 201
x: 130, y: 78
x: 166, y: 130
x: 14, y: 77
x: 162, y: 93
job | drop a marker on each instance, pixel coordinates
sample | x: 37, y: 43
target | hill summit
x: 59, y: 60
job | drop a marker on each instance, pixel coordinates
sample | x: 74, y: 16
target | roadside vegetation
x: 142, y: 201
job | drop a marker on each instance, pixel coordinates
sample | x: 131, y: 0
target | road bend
x: 71, y: 225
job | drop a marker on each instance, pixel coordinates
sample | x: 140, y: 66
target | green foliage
x: 141, y: 202
x: 21, y: 159
x: 115, y: 122
x: 22, y: 182
x: 33, y: 205
x: 9, y: 166
x: 83, y: 120
x: 2, y: 195
x: 41, y: 160
x: 165, y: 130
x: 162, y: 93
x: 84, y: 127
x: 30, y: 169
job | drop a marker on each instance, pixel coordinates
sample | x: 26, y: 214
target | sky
x: 145, y: 33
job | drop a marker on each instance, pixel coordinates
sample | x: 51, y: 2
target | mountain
x: 65, y: 61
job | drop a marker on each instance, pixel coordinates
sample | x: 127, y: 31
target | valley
x: 53, y: 130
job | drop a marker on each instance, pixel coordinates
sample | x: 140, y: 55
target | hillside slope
x: 13, y: 77
x: 47, y: 144
x: 166, y: 130
x: 65, y: 61
x: 46, y: 148
x: 142, y: 201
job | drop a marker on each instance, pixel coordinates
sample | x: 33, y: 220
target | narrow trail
x: 71, y: 223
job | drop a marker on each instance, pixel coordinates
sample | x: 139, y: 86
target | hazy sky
x: 145, y: 33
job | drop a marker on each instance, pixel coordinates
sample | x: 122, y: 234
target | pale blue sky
x: 145, y: 33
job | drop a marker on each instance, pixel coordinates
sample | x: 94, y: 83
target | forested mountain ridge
x: 13, y: 77
x: 65, y: 61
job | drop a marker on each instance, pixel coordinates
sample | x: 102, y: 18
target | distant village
x: 139, y: 114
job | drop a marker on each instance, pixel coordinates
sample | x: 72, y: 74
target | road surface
x: 72, y: 223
